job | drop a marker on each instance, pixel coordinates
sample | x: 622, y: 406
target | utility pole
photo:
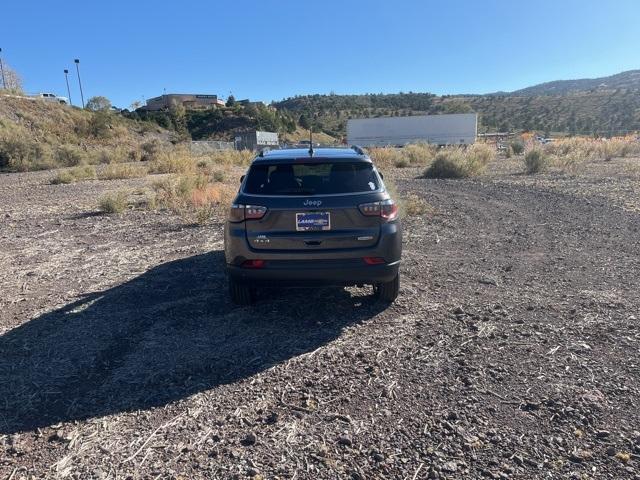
x: 4, y: 82
x: 66, y: 77
x: 77, y: 62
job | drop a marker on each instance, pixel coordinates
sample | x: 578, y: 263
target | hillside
x: 625, y: 80
x: 602, y: 112
x: 219, y: 123
x: 38, y: 135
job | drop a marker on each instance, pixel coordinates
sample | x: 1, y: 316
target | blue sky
x: 271, y: 49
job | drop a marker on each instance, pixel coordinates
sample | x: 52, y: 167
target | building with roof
x: 189, y: 101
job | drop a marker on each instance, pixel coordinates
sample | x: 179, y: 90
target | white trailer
x: 445, y: 129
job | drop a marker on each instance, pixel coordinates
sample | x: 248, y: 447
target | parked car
x: 52, y: 97
x: 313, y: 217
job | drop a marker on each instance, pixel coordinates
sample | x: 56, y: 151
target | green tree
x: 98, y: 104
x: 231, y: 101
x: 303, y: 121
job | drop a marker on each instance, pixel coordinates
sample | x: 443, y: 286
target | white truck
x: 445, y: 129
x: 51, y: 97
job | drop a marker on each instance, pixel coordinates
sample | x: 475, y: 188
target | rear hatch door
x: 313, y: 206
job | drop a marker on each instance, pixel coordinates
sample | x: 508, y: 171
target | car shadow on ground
x: 157, y: 338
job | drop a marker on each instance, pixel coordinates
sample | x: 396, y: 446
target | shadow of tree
x: 159, y: 337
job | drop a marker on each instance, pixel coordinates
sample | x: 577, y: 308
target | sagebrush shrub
x: 460, y: 163
x: 23, y: 154
x: 415, y: 206
x: 84, y: 172
x: 517, y: 147
x: 536, y: 161
x: 114, y: 202
x: 447, y: 164
x: 151, y: 150
x: 70, y: 156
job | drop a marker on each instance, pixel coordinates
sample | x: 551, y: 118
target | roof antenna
x: 311, y: 141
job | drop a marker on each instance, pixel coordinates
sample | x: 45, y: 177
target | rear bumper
x: 314, y: 266
x: 310, y: 273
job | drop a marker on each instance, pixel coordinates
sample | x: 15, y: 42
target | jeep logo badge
x: 312, y: 203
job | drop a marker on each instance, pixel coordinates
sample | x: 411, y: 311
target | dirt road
x: 512, y: 351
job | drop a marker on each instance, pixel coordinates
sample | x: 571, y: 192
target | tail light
x: 387, y: 209
x: 255, y: 263
x: 254, y: 212
x: 239, y: 212
x: 373, y: 260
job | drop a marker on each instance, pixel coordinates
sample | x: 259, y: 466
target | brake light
x: 373, y: 260
x: 239, y: 212
x: 386, y: 209
x: 370, y: 209
x: 254, y: 212
x: 255, y: 263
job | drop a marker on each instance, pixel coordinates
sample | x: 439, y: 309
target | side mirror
x: 242, y: 178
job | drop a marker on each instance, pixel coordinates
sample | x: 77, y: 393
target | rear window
x: 311, y: 178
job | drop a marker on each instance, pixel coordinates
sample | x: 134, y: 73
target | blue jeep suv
x: 313, y: 217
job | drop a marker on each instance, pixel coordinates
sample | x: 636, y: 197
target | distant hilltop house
x: 187, y: 100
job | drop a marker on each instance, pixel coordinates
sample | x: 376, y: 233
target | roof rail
x: 357, y: 149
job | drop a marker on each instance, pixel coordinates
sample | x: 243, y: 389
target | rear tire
x: 241, y: 293
x: 387, y: 291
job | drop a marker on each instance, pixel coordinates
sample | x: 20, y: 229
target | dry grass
x: 70, y: 155
x: 572, y: 154
x: 419, y: 153
x: 195, y: 197
x: 460, y: 163
x: 617, y: 147
x: 408, y: 206
x: 536, y: 161
x: 43, y: 135
x: 181, y: 161
x: 116, y: 171
x: 410, y: 155
x: 76, y: 174
x: 197, y: 190
x: 385, y: 157
x: 414, y: 206
x: 113, y: 202
x: 151, y: 150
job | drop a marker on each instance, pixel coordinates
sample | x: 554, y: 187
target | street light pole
x: 66, y: 77
x: 4, y: 82
x: 77, y: 62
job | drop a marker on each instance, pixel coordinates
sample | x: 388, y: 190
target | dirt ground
x: 512, y: 351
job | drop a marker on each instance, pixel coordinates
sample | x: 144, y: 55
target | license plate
x: 313, y: 221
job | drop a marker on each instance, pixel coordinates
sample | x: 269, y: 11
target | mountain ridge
x: 629, y: 79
